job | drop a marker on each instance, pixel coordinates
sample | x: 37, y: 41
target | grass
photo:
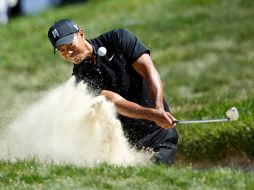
x: 31, y: 175
x: 203, y: 50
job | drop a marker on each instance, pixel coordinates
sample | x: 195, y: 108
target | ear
x: 81, y: 33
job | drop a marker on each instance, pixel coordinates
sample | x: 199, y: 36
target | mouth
x: 75, y: 59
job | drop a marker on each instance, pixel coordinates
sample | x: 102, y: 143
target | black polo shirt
x: 114, y: 72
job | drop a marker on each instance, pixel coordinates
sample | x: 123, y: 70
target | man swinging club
x: 125, y: 74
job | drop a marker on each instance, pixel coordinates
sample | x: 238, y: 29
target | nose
x: 69, y: 52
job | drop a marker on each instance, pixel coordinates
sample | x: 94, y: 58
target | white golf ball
x: 102, y: 51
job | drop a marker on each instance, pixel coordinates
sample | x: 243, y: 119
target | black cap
x: 62, y: 32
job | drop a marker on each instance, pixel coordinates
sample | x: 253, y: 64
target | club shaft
x: 200, y: 121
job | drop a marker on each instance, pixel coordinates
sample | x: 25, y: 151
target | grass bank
x: 31, y: 175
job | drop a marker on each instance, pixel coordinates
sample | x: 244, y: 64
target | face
x: 74, y: 52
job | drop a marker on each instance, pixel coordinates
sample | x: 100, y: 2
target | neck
x: 89, y: 50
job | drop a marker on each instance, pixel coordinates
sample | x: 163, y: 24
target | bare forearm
x: 144, y: 66
x: 133, y: 110
x: 155, y: 89
x: 127, y: 108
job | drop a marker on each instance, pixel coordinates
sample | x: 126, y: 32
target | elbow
x: 105, y: 94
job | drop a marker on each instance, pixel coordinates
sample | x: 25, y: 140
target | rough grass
x: 33, y: 175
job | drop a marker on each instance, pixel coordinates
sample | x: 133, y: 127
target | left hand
x: 164, y: 119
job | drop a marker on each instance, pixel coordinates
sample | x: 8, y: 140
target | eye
x: 60, y: 50
x: 71, y: 47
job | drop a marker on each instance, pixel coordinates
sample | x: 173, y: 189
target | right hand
x: 164, y: 119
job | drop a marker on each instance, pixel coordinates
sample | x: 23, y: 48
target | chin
x: 78, y: 61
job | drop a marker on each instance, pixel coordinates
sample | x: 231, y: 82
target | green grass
x: 203, y: 50
x: 32, y: 175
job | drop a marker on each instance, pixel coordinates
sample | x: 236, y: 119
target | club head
x: 232, y: 114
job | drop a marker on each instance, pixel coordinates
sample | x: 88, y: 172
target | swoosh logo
x: 111, y: 57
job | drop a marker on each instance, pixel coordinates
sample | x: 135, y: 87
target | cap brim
x: 65, y: 40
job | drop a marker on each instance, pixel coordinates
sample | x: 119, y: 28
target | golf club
x: 231, y: 115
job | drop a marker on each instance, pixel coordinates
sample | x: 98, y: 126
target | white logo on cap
x: 75, y: 26
x: 55, y: 33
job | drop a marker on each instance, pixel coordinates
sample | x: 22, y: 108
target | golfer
x: 124, y: 73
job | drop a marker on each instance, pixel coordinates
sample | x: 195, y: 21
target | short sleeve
x: 129, y: 45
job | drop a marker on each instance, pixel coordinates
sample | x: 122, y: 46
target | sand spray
x: 69, y: 125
